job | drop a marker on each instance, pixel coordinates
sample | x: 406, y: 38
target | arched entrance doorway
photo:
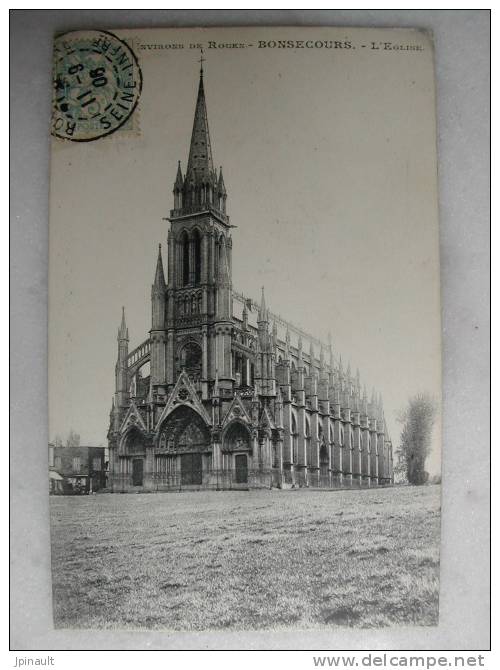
x: 241, y: 468
x: 135, y: 452
x: 236, y: 440
x: 184, y: 444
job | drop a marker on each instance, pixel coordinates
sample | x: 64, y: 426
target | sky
x: 329, y: 160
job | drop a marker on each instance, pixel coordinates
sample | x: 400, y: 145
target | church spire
x: 262, y: 309
x: 330, y: 351
x: 179, y: 180
x: 200, y: 164
x: 287, y: 344
x: 221, y: 185
x: 300, y: 360
x: 158, y: 296
x: 201, y: 188
x: 364, y: 401
x: 244, y: 316
x: 123, y: 330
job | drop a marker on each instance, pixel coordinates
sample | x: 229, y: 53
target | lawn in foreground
x: 247, y: 559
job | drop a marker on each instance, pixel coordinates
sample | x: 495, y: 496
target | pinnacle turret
x: 221, y: 186
x: 244, y: 316
x: 311, y: 354
x: 287, y: 344
x: 330, y: 351
x: 123, y: 330
x: 300, y: 360
x: 262, y: 316
x: 159, y: 282
x: 158, y: 296
x: 179, y: 179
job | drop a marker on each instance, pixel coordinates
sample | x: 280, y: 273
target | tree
x: 73, y: 439
x: 399, y: 469
x: 57, y: 441
x: 417, y: 419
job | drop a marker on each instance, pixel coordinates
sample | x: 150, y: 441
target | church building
x: 223, y: 393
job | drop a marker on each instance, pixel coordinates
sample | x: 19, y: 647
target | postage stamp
x: 97, y: 85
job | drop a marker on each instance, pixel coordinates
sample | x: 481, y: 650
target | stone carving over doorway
x: 236, y: 438
x: 134, y: 442
x: 184, y: 431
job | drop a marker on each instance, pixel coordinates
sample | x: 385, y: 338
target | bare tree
x: 417, y: 419
x: 73, y: 439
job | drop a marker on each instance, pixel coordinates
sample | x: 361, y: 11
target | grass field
x: 249, y: 559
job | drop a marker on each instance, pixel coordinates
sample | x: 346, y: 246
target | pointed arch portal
x: 184, y: 431
x: 236, y: 438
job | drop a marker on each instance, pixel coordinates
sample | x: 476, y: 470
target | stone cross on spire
x: 201, y: 61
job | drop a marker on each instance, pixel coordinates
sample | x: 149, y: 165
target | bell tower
x: 199, y: 287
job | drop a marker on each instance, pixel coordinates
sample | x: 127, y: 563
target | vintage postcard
x: 245, y: 339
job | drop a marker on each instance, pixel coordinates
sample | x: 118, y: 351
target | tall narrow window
x: 295, y: 441
x: 308, y: 441
x: 197, y: 257
x: 244, y: 376
x: 185, y: 258
x: 216, y: 259
x: 220, y: 244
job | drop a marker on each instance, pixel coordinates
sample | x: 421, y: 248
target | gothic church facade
x: 224, y: 394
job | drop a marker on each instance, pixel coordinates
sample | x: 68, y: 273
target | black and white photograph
x: 244, y: 330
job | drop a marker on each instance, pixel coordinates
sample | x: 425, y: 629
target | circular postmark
x: 97, y: 85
